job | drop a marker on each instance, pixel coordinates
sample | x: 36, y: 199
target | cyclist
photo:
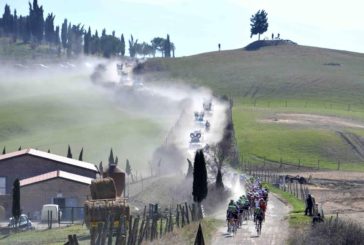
x: 232, y: 213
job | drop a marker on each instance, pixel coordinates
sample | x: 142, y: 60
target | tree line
x: 74, y: 39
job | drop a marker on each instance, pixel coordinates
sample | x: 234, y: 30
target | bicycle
x: 258, y: 224
x: 232, y: 225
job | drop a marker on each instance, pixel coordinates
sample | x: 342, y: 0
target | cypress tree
x: 15, y: 26
x: 111, y: 158
x: 56, y: 39
x: 7, y: 20
x: 80, y: 157
x: 36, y: 20
x: 116, y: 160
x: 4, y: 151
x: 49, y: 28
x: 122, y: 43
x: 49, y: 151
x: 16, y: 201
x: 19, y: 149
x: 199, y: 185
x: 64, y: 33
x: 167, y: 47
x: 87, y: 42
x: 69, y: 153
x: 127, y: 167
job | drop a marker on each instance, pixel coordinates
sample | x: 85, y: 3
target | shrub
x: 332, y: 231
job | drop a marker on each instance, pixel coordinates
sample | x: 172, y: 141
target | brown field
x: 338, y: 192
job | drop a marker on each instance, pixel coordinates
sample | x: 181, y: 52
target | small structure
x: 65, y: 189
x: 114, y: 172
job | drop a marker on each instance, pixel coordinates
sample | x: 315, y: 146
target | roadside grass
x: 55, y: 236
x: 296, y: 215
x: 187, y: 234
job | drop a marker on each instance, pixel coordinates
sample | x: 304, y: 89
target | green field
x: 51, y: 109
x: 282, y: 79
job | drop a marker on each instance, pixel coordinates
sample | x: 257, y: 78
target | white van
x: 54, y: 208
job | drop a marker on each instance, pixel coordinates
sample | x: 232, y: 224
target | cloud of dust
x: 165, y: 104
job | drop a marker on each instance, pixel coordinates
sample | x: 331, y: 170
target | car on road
x: 24, y: 223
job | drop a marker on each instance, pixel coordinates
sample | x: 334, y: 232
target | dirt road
x: 274, y: 230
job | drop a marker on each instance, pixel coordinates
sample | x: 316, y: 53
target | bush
x: 332, y: 231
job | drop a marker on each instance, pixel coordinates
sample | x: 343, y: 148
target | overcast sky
x: 197, y: 26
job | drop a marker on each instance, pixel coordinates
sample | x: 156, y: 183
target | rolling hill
x: 296, y: 104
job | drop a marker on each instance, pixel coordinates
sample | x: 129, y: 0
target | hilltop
x: 271, y: 73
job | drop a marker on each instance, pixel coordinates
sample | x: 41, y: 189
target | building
x: 44, y: 178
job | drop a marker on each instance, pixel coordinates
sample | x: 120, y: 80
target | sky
x: 197, y: 26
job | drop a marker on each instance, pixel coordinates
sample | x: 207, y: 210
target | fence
x: 152, y: 224
x: 297, y: 186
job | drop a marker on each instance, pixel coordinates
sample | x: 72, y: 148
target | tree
x: 95, y: 43
x: 24, y: 28
x: 7, y: 20
x: 49, y: 28
x: 116, y: 160
x: 158, y: 44
x: 4, y: 150
x: 75, y: 39
x: 87, y: 42
x: 219, y: 184
x: 111, y: 158
x: 80, y: 157
x: 36, y: 21
x: 56, y: 36
x: 15, y: 28
x: 19, y: 149
x: 16, y: 201
x: 49, y: 151
x: 127, y: 167
x: 122, y: 45
x: 258, y: 23
x: 167, y: 48
x: 199, y: 185
x: 64, y: 33
x: 132, y: 46
x: 69, y: 153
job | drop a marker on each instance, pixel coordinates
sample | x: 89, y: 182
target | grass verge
x: 296, y: 216
x: 54, y: 236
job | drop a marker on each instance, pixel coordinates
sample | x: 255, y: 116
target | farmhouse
x: 44, y: 178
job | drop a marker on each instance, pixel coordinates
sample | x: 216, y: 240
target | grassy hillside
x: 285, y: 79
x: 51, y: 109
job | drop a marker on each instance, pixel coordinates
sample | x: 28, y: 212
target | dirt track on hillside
x: 312, y: 120
x: 274, y: 229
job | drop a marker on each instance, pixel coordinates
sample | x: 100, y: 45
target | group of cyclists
x: 252, y: 205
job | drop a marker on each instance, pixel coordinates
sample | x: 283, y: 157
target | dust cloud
x: 166, y: 108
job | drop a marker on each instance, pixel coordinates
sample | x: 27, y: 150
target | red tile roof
x: 53, y: 175
x: 50, y: 156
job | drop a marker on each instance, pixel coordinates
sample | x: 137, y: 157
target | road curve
x: 274, y: 230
